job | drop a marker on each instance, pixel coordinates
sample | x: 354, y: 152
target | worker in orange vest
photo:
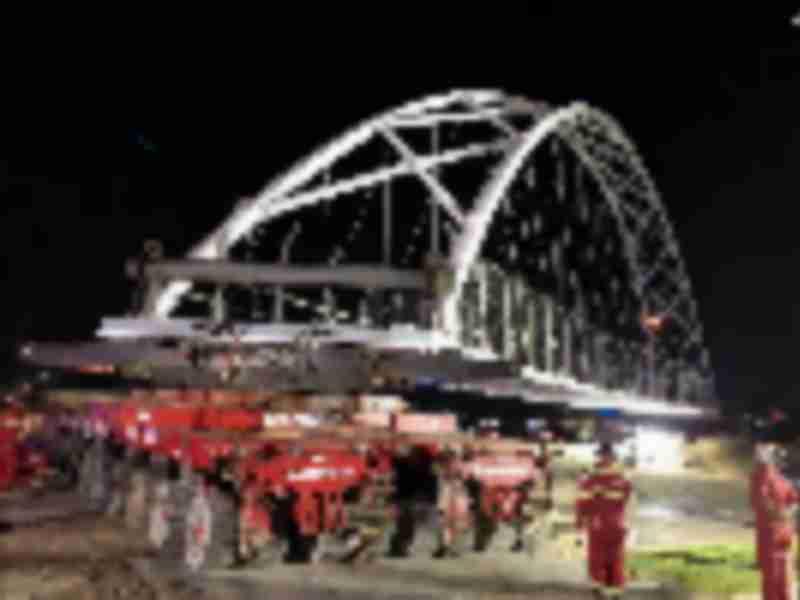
x: 774, y: 500
x: 603, y: 496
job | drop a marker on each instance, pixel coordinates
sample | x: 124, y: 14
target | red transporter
x: 310, y: 480
x: 18, y: 462
x: 773, y: 499
x: 600, y: 510
x: 10, y: 423
x: 505, y: 480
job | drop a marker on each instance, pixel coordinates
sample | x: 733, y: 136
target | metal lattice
x: 596, y: 177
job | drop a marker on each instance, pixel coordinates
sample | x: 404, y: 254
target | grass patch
x: 709, y: 569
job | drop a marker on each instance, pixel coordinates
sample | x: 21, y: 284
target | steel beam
x: 247, y: 274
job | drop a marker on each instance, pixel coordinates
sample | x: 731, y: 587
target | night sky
x: 95, y: 159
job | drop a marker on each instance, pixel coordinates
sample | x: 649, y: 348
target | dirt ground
x: 51, y: 548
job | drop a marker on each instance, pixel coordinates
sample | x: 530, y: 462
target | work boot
x: 445, y: 552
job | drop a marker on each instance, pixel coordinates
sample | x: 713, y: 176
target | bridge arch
x: 593, y: 136
x: 575, y: 125
x: 276, y: 197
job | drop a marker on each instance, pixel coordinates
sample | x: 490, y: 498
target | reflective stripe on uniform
x: 613, y: 495
x: 371, y: 531
x: 611, y: 591
x: 614, y: 469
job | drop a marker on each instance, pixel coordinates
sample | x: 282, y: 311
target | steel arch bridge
x: 548, y: 240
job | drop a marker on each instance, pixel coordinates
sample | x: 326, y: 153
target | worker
x: 544, y: 462
x: 774, y: 500
x: 603, y: 497
x: 452, y: 505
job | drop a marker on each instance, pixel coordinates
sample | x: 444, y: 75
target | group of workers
x: 604, y: 501
x: 601, y: 514
x: 604, y: 496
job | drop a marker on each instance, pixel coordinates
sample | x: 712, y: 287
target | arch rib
x: 467, y: 245
x: 251, y: 213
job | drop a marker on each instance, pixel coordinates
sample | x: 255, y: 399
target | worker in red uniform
x: 11, y: 419
x: 774, y: 500
x: 603, y: 496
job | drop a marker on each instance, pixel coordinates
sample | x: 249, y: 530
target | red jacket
x: 602, y: 498
x: 772, y: 496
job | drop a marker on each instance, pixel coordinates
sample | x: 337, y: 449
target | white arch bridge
x: 473, y: 218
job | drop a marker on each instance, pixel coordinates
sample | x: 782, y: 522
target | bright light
x: 659, y: 450
x: 637, y: 406
x: 652, y: 322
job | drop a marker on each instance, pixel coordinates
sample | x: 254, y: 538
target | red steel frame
x: 273, y: 456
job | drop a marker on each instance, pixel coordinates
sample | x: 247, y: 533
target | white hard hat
x: 765, y: 452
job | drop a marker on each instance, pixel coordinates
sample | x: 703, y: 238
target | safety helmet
x: 606, y: 450
x: 766, y: 452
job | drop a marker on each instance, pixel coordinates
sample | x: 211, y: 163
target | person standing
x: 774, y: 500
x: 452, y: 506
x: 600, y: 509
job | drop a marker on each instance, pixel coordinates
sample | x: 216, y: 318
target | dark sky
x: 94, y: 159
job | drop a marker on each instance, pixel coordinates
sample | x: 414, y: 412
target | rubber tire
x: 181, y: 495
x: 274, y: 553
x: 222, y: 552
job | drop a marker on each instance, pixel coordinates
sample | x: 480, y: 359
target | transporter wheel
x: 85, y: 469
x: 160, y: 490
x: 366, y: 542
x: 221, y: 552
x: 210, y: 527
x: 277, y: 548
x: 137, y: 500
x: 93, y: 481
x: 272, y: 553
x: 371, y: 526
x: 314, y: 549
x: 120, y: 471
x: 181, y: 493
x: 325, y: 549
